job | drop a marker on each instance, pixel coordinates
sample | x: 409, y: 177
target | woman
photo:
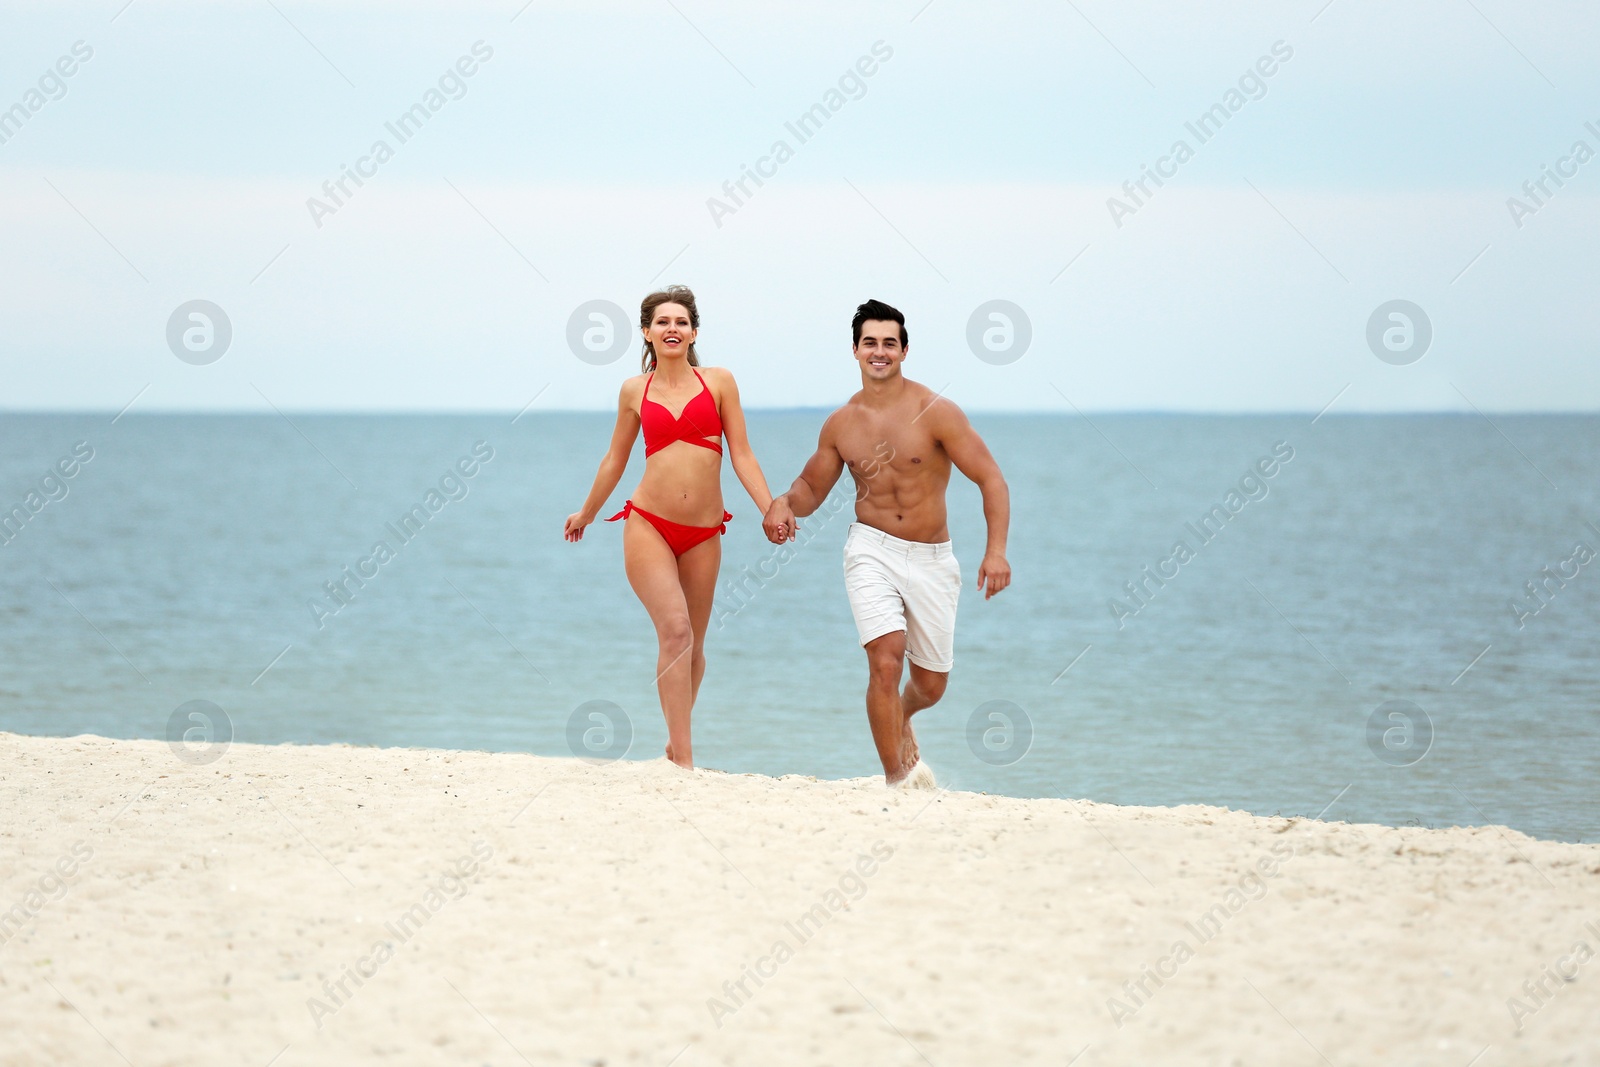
x: 670, y: 535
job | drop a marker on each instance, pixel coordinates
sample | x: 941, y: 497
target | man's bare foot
x: 908, y: 745
x: 919, y: 776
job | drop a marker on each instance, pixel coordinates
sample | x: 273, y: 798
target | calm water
x: 1382, y: 559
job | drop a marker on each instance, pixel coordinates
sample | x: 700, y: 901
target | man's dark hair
x: 877, y: 309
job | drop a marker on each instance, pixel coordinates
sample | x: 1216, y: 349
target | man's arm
x: 805, y: 496
x: 972, y: 458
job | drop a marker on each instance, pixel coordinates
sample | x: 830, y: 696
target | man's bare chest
x: 898, y: 446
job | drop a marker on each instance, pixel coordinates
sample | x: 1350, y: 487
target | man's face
x: 879, y: 351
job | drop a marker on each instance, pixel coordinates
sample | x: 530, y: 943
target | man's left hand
x: 995, y: 571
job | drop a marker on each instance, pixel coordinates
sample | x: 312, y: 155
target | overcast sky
x: 969, y: 153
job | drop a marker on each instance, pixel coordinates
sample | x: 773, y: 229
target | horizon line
x: 1195, y: 412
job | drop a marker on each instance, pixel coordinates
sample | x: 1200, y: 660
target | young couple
x: 898, y: 440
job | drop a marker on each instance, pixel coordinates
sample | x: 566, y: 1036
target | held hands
x: 573, y: 529
x: 779, y: 522
x: 995, y: 571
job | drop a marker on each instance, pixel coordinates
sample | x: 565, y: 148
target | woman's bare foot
x: 686, y: 764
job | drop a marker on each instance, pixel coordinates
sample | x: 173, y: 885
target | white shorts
x: 895, y: 584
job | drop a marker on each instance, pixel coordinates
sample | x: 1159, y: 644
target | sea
x: 1386, y: 618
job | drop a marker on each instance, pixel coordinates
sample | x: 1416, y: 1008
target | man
x: 899, y: 439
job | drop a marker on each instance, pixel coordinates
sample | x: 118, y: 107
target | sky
x: 1359, y: 154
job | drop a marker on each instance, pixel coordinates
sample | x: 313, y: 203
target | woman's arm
x: 612, y: 466
x: 739, y: 451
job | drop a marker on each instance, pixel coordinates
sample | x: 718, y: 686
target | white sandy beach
x: 293, y: 905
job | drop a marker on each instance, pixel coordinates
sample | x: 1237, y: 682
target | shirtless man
x: 899, y: 440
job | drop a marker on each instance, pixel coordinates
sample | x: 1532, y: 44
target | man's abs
x: 909, y: 507
x: 900, y: 473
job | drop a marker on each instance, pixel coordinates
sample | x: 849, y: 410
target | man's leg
x: 885, y: 664
x: 923, y: 690
x: 931, y: 595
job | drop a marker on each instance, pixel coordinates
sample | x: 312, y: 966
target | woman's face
x: 669, y: 330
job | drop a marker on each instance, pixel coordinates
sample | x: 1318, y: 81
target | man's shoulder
x: 845, y: 413
x: 922, y: 401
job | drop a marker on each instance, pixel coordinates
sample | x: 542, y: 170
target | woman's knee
x: 675, y: 633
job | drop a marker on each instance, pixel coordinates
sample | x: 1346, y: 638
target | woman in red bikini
x: 669, y: 536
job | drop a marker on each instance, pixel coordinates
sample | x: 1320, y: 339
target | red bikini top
x: 698, y: 421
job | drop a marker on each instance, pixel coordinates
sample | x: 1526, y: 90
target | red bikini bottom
x: 679, y: 538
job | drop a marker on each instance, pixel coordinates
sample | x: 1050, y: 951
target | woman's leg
x: 697, y: 576
x: 653, y: 573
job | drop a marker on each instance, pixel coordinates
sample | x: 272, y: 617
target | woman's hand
x: 779, y: 523
x: 573, y: 529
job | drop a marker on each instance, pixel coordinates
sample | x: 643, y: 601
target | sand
x: 294, y: 905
